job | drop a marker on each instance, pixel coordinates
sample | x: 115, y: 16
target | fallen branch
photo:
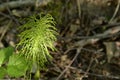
x: 93, y: 39
x: 21, y: 3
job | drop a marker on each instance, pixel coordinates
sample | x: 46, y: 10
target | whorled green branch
x: 39, y: 34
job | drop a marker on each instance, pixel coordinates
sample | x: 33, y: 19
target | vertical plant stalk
x: 39, y: 34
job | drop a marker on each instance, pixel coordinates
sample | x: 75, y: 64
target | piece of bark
x: 110, y: 50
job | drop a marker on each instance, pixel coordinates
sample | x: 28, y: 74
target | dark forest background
x: 88, y: 44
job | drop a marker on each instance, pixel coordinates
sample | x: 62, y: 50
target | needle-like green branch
x: 39, y: 34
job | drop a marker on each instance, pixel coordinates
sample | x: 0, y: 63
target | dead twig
x: 78, y: 51
x: 90, y: 64
x: 5, y: 15
x: 116, y: 10
x: 5, y: 30
x: 12, y: 17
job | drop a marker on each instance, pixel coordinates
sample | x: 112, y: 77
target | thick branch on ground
x: 19, y: 3
x: 93, y: 39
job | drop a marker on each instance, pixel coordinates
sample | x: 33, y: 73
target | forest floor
x: 88, y: 44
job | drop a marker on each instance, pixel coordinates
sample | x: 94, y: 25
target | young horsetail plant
x: 38, y: 36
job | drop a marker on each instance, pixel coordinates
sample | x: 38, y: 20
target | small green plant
x: 11, y: 64
x: 37, y: 36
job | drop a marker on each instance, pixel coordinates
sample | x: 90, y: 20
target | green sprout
x: 38, y: 36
